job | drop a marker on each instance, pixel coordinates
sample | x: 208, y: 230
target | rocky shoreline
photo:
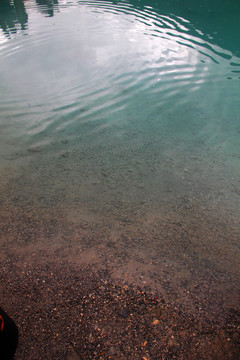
x: 64, y: 312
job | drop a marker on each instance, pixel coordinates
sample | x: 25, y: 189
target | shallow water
x: 120, y: 135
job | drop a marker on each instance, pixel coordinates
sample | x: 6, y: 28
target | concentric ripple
x: 100, y: 56
x: 120, y: 150
x: 129, y: 82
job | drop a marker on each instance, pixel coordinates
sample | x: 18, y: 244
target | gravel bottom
x: 65, y: 312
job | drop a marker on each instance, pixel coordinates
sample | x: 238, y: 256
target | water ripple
x: 93, y: 59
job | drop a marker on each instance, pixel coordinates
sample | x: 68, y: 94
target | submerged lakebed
x: 119, y: 143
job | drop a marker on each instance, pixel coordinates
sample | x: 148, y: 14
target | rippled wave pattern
x: 120, y: 157
x: 135, y: 100
x: 93, y: 58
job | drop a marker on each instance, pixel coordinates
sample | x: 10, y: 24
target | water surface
x: 120, y: 121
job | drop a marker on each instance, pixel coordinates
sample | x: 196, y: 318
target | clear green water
x: 121, y: 112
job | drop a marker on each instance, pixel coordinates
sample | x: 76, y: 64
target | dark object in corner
x: 8, y: 336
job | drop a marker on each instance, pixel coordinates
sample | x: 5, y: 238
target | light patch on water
x: 120, y: 140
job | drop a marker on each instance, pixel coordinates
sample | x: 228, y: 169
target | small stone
x: 124, y: 313
x: 112, y: 351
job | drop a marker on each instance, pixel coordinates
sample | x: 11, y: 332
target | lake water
x: 120, y: 140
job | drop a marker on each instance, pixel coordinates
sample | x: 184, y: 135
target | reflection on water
x: 12, y: 14
x: 120, y: 135
x: 132, y: 102
x: 138, y: 96
x: 47, y: 7
x: 210, y: 21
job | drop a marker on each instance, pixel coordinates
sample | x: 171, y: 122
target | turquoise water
x: 131, y: 100
x: 122, y: 113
